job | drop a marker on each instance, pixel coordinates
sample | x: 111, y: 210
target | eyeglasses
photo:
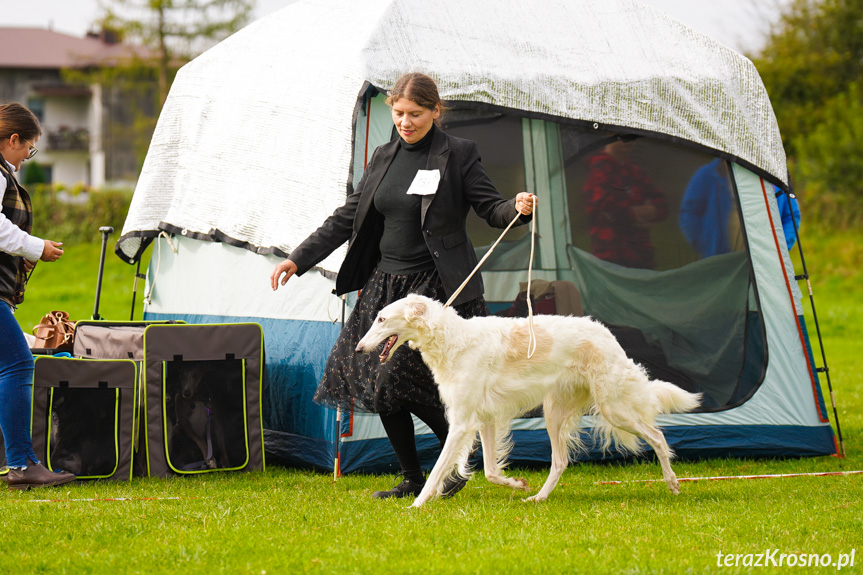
x: 33, y: 150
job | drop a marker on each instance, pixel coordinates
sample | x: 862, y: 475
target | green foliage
x: 829, y: 162
x: 74, y: 216
x: 33, y: 174
x: 815, y: 53
x: 811, y: 66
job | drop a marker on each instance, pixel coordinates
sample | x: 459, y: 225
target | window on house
x: 37, y: 106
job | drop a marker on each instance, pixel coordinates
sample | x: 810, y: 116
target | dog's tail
x: 666, y: 398
x: 671, y: 399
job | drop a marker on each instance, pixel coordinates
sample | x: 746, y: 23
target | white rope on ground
x: 725, y: 477
x: 113, y: 499
x: 531, y: 345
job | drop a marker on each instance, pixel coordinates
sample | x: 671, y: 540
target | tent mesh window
x: 83, y: 431
x: 205, y: 415
x: 639, y: 233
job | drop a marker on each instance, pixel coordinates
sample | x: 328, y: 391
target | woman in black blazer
x: 406, y: 226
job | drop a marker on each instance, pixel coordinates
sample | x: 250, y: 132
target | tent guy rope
x: 726, y: 477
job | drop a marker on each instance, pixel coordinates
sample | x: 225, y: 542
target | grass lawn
x: 291, y: 521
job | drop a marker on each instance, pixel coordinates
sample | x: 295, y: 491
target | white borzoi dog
x: 486, y: 380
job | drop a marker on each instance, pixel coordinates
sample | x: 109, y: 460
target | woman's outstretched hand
x: 288, y: 268
x: 524, y: 203
x: 51, y: 251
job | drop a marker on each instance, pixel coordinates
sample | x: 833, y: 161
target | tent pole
x: 825, y: 370
x: 337, y: 467
x: 135, y: 289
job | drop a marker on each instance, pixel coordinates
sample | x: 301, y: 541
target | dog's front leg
x: 455, y: 443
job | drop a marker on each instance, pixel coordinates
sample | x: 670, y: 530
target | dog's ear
x: 416, y: 309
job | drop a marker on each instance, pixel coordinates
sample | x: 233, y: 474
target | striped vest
x: 18, y: 210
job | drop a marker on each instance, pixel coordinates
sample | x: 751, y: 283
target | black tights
x: 400, y: 431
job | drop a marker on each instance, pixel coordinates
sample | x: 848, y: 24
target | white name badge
x: 425, y: 183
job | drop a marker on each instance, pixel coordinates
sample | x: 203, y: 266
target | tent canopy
x: 270, y: 109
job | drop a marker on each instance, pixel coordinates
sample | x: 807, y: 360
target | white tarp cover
x: 254, y: 143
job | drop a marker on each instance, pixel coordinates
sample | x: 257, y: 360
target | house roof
x: 38, y: 48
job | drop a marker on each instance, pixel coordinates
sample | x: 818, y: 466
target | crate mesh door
x: 205, y: 422
x: 203, y: 398
x: 84, y: 416
x: 83, y: 431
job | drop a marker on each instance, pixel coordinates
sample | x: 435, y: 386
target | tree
x: 812, y: 65
x: 174, y: 31
x: 155, y: 38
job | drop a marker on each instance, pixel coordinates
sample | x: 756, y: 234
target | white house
x: 76, y: 146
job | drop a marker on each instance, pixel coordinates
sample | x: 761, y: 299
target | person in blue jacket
x: 709, y: 217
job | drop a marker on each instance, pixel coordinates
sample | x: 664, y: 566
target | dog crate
x: 84, y: 416
x: 202, y: 398
x: 100, y: 339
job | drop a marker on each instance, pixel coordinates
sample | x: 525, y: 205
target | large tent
x: 654, y: 150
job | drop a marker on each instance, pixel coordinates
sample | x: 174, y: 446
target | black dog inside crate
x: 204, y: 406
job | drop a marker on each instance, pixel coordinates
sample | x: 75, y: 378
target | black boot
x: 410, y: 486
x: 452, y: 485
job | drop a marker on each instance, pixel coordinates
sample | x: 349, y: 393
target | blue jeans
x: 16, y: 390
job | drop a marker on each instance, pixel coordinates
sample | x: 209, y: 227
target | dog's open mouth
x: 385, y: 354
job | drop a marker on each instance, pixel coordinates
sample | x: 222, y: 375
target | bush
x: 829, y: 162
x: 75, y: 216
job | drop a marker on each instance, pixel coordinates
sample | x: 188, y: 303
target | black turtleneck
x: 403, y: 248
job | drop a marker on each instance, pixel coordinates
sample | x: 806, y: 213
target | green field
x: 69, y: 284
x: 290, y: 521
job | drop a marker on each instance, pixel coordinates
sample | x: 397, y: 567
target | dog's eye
x: 380, y: 319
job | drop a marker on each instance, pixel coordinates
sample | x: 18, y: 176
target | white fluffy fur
x: 486, y: 380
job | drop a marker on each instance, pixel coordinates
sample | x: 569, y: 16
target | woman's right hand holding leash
x: 288, y: 268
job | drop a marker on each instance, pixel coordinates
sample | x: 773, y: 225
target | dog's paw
x: 674, y: 486
x: 535, y: 498
x: 521, y: 483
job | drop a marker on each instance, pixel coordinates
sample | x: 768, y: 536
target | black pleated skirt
x: 360, y: 381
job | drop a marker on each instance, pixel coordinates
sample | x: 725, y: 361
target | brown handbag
x: 55, y: 331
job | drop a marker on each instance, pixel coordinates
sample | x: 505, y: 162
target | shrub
x: 77, y: 215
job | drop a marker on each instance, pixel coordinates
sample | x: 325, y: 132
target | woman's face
x: 18, y: 150
x: 412, y: 120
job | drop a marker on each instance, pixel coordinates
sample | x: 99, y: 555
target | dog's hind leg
x: 492, y: 453
x: 458, y: 441
x: 649, y: 433
x: 656, y: 439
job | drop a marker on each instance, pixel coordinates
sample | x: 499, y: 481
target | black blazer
x: 463, y: 184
